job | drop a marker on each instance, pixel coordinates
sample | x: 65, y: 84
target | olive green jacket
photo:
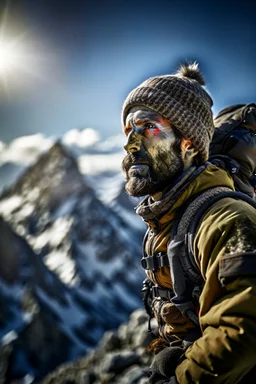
x: 225, y: 251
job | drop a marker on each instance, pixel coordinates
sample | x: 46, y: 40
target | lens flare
x: 24, y: 58
x: 9, y: 57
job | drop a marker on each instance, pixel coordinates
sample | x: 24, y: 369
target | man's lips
x: 137, y: 166
x: 138, y: 169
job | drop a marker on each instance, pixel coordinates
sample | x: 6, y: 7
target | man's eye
x: 152, y: 129
x: 150, y: 126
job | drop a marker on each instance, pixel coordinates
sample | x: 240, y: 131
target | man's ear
x: 188, y: 151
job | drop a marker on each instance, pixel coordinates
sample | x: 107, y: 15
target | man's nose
x: 133, y: 141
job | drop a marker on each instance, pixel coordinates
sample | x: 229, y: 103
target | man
x: 168, y: 123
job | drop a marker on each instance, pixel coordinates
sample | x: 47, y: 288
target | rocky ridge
x: 121, y: 357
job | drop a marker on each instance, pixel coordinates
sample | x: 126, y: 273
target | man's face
x: 153, y: 159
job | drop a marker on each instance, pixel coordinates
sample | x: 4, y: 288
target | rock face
x: 31, y: 339
x: 69, y: 268
x: 120, y: 358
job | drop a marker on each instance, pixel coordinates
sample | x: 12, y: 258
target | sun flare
x: 24, y: 58
x: 9, y: 55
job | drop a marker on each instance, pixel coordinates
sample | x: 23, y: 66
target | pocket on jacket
x: 237, y: 265
x: 176, y: 324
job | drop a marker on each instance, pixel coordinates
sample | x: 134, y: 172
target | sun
x: 12, y: 51
x: 15, y: 63
x: 9, y: 55
x: 24, y: 60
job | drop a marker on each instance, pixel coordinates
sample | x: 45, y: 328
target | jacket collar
x: 193, y: 181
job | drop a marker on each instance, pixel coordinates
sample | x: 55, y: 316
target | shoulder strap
x: 182, y: 228
x: 186, y: 224
x: 187, y: 281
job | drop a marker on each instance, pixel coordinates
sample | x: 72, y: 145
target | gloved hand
x: 161, y: 380
x: 172, y: 380
x: 163, y: 367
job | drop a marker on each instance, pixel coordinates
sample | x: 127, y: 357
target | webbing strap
x: 162, y: 292
x: 185, y: 306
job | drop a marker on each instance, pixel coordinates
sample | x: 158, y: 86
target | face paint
x: 156, y: 131
x: 147, y: 123
x: 153, y: 158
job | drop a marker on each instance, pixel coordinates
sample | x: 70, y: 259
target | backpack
x: 233, y: 148
x: 234, y: 143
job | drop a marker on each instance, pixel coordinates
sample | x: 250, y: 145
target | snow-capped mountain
x: 72, y: 268
x: 94, y: 156
x: 33, y: 339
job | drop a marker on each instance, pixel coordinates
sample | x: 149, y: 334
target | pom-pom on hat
x: 182, y: 99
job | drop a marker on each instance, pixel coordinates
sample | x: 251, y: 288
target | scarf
x: 150, y: 209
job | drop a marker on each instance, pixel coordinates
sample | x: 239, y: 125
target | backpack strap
x: 180, y: 232
x: 187, y: 281
x: 185, y: 228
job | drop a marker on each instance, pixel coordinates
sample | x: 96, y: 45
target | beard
x: 147, y: 176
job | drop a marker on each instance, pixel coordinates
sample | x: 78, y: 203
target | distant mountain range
x: 70, y: 249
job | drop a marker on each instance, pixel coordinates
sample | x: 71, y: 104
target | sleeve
x: 225, y: 249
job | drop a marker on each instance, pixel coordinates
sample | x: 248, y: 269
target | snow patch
x: 28, y: 379
x: 59, y: 262
x: 9, y: 337
x: 27, y: 317
x: 107, y: 188
x: 26, y: 211
x: 92, y: 264
x: 8, y: 205
x: 53, y: 235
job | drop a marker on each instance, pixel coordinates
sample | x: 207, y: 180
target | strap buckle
x: 155, y: 262
x: 163, y: 293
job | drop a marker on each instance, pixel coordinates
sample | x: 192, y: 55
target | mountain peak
x: 51, y: 175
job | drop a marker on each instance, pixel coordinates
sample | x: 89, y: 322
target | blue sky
x: 92, y: 53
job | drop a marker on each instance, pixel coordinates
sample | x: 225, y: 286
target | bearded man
x: 169, y: 125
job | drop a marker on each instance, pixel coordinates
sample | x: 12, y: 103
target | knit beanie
x: 182, y: 100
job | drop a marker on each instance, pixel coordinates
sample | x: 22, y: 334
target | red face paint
x: 156, y: 131
x: 152, y: 131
